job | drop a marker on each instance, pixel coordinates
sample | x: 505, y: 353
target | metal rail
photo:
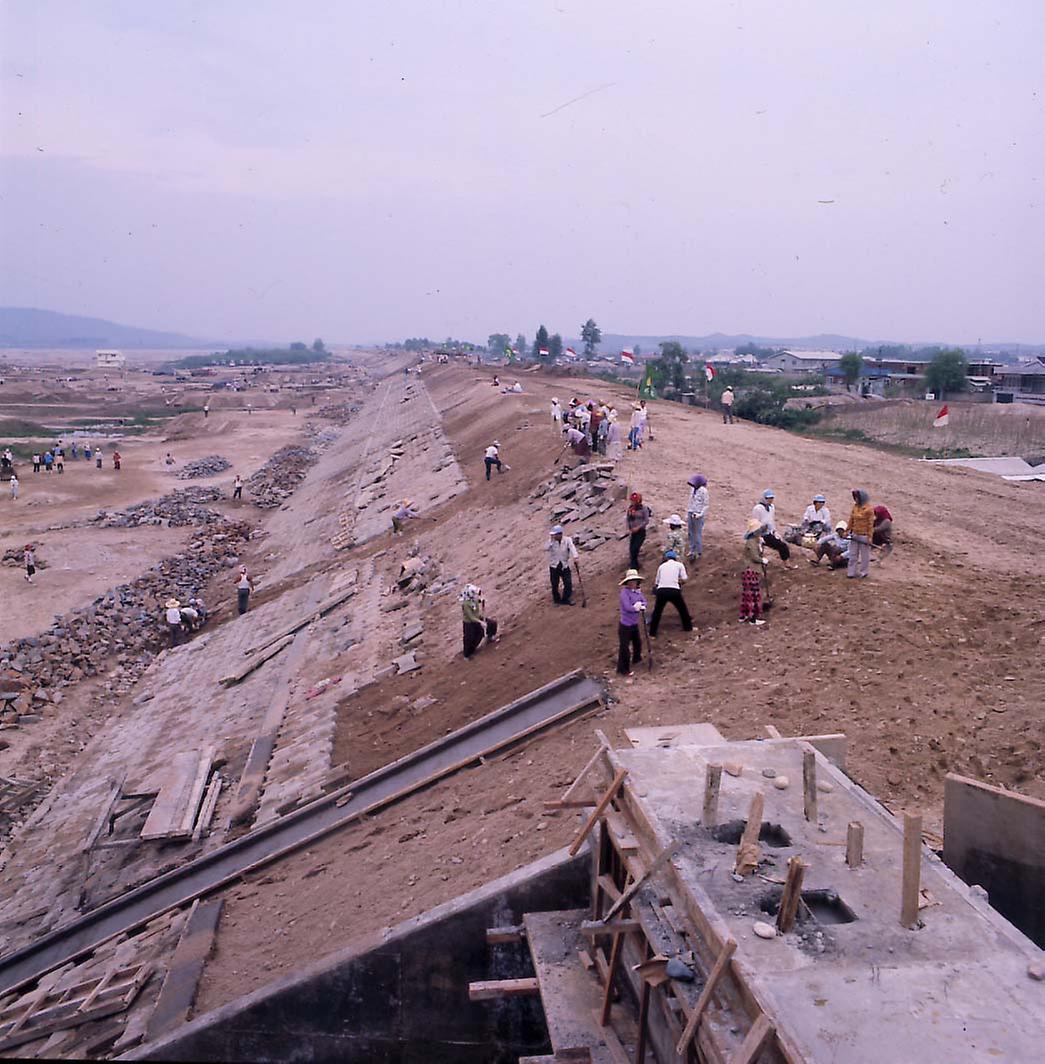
x: 494, y: 733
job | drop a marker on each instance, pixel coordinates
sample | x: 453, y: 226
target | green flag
x: 646, y: 389
x: 509, y: 353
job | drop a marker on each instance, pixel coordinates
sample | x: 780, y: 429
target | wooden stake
x: 854, y: 844
x: 495, y: 988
x: 809, y: 784
x: 604, y: 801
x: 912, y: 869
x: 640, y: 1048
x: 747, y: 851
x: 792, y: 895
x: 607, y: 1000
x: 761, y: 1031
x: 571, y: 791
x: 712, y: 784
x: 705, y: 995
x: 660, y: 860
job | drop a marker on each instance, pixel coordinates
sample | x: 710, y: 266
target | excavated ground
x: 932, y: 665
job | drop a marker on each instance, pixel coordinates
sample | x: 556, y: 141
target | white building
x: 110, y: 359
x: 803, y: 361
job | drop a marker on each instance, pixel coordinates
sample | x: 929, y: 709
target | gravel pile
x: 276, y: 480
x: 340, y: 413
x: 125, y: 624
x: 204, y: 467
x: 15, y: 557
x: 186, y: 506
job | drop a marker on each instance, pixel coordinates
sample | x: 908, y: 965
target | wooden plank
x: 792, y: 894
x: 599, y: 928
x: 747, y: 851
x: 912, y: 869
x: 497, y: 935
x: 640, y: 1048
x: 498, y: 988
x: 604, y: 801
x: 854, y: 844
x: 712, y: 784
x: 244, y: 671
x: 809, y: 802
x: 103, y: 818
x: 571, y: 791
x: 178, y: 991
x: 210, y: 803
x: 297, y: 625
x: 168, y: 809
x: 607, y: 1000
x: 760, y: 1033
x: 705, y: 996
x: 659, y: 861
x: 199, y: 785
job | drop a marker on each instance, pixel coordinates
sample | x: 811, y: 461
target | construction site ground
x: 932, y: 665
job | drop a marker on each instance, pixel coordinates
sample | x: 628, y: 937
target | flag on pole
x: 510, y: 353
x: 646, y: 388
x: 942, y: 418
x: 627, y: 355
x: 570, y: 353
x: 709, y: 372
x: 543, y: 352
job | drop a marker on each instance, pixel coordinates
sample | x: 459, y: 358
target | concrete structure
x: 802, y: 361
x: 110, y: 359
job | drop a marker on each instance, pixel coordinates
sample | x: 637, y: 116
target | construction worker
x: 675, y: 538
x: 561, y: 555
x: 173, y: 617
x: 493, y: 458
x: 697, y: 513
x: 476, y: 624
x: 14, y: 487
x: 556, y: 416
x: 764, y: 512
x: 637, y: 518
x: 667, y: 587
x: 727, y: 405
x: 237, y: 488
x: 402, y: 515
x: 755, y: 561
x: 578, y: 442
x: 817, y: 517
x: 29, y: 561
x: 860, y: 530
x: 632, y: 608
x: 883, y: 532
x: 834, y: 546
x: 244, y: 586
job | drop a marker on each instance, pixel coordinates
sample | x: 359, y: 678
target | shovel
x: 769, y: 593
x: 649, y: 646
x: 580, y: 584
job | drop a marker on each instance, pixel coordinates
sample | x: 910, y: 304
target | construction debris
x: 210, y: 466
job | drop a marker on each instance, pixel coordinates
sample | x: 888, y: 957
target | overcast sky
x: 367, y: 171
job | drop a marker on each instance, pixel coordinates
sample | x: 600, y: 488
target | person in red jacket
x: 882, y: 536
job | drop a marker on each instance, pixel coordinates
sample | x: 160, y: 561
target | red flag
x: 543, y: 352
x: 627, y: 355
x: 942, y: 418
x: 709, y: 371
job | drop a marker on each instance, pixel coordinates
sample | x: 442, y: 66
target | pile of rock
x: 15, y: 557
x: 340, y: 413
x: 276, y: 480
x: 125, y: 624
x: 578, y: 494
x: 204, y: 467
x: 186, y: 506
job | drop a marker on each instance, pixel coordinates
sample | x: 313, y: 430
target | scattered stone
x: 276, y: 480
x: 734, y: 768
x: 763, y: 930
x: 204, y: 467
x: 1036, y: 970
x: 677, y: 970
x: 781, y: 783
x: 825, y: 786
x: 406, y: 663
x: 769, y: 773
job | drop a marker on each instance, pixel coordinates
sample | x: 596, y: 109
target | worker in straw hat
x: 403, y: 514
x: 173, y: 617
x: 675, y: 536
x: 632, y: 608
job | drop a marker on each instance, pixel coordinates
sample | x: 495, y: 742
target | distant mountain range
x: 29, y: 327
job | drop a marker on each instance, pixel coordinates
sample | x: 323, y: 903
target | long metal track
x: 488, y: 735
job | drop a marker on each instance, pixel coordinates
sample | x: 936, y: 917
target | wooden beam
x: 809, y: 785
x: 704, y: 1000
x: 912, y: 869
x: 210, y: 803
x: 607, y: 999
x: 497, y: 935
x: 199, y: 785
x: 314, y: 615
x: 761, y: 1031
x: 597, y: 928
x: 773, y: 733
x: 574, y: 787
x: 498, y: 988
x: 854, y: 844
x: 712, y: 785
x: 604, y: 801
x: 792, y: 895
x: 640, y: 1048
x: 104, y: 817
x: 245, y: 670
x: 747, y: 850
x: 659, y: 861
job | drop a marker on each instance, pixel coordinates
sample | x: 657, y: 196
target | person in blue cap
x: 817, y: 518
x: 764, y: 512
x: 667, y: 587
x: 561, y: 556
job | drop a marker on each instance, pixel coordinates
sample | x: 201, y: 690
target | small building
x: 803, y: 361
x: 110, y: 359
x: 1021, y: 383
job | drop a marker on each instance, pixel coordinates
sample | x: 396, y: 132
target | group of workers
x: 53, y: 459
x: 184, y: 619
x: 594, y: 427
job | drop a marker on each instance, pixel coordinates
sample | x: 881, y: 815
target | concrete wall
x: 402, y: 997
x: 996, y: 839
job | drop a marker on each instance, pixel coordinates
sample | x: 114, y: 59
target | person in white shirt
x: 556, y: 417
x: 817, y: 514
x: 561, y: 555
x: 764, y: 512
x: 244, y: 586
x: 493, y: 458
x: 727, y: 407
x: 638, y: 420
x: 14, y: 488
x: 667, y: 587
x: 173, y: 616
x: 696, y: 513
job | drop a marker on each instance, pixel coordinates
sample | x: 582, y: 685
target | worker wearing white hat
x: 556, y: 416
x: 562, y: 554
x: 675, y: 535
x: 817, y: 517
x: 493, y: 458
x: 173, y: 617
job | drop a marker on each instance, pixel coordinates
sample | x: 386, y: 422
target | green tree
x: 297, y: 345
x: 496, y: 343
x: 669, y: 369
x: 520, y: 345
x: 946, y: 372
x: 850, y: 364
x: 591, y: 334
x: 317, y: 346
x: 555, y: 346
x: 540, y: 341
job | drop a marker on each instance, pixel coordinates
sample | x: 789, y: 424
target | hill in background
x: 29, y: 327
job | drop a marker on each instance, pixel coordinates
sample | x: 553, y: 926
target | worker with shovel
x: 561, y: 555
x: 632, y: 614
